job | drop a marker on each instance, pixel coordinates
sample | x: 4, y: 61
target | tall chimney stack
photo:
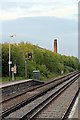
x: 55, y: 45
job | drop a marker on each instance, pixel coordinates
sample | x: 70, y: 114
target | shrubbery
x: 44, y: 60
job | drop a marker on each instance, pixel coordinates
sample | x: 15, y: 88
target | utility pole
x: 25, y: 69
x: 10, y: 62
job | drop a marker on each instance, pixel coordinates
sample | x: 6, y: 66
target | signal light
x: 29, y: 55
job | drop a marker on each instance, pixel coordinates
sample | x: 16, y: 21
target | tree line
x: 46, y: 61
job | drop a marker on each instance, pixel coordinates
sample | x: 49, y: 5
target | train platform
x: 13, y: 82
x: 13, y: 88
x: 16, y: 82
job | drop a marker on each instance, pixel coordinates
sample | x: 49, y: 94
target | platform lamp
x: 10, y: 62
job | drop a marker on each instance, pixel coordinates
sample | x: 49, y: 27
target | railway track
x: 26, y: 97
x: 33, y: 112
x: 43, y: 96
x: 60, y: 107
x: 35, y: 87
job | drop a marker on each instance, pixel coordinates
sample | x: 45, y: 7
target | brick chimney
x: 55, y: 45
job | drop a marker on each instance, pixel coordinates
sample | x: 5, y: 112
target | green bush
x: 48, y: 63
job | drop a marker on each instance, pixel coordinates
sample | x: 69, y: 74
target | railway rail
x: 12, y: 96
x: 42, y: 95
x: 61, y: 106
x: 10, y: 104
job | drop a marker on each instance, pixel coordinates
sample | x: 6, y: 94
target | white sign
x: 10, y: 62
x: 62, y: 72
x: 12, y: 69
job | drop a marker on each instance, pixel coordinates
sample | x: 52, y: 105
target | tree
x: 44, y: 60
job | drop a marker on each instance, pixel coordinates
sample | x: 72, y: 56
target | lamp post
x: 10, y: 62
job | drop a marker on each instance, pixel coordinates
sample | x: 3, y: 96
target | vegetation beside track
x: 49, y: 64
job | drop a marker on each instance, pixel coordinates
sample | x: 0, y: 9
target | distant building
x: 55, y: 45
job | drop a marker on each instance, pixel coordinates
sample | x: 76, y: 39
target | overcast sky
x: 12, y: 9
x: 40, y: 21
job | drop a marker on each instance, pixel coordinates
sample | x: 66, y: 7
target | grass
x: 50, y: 76
x: 42, y: 78
x: 6, y: 79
